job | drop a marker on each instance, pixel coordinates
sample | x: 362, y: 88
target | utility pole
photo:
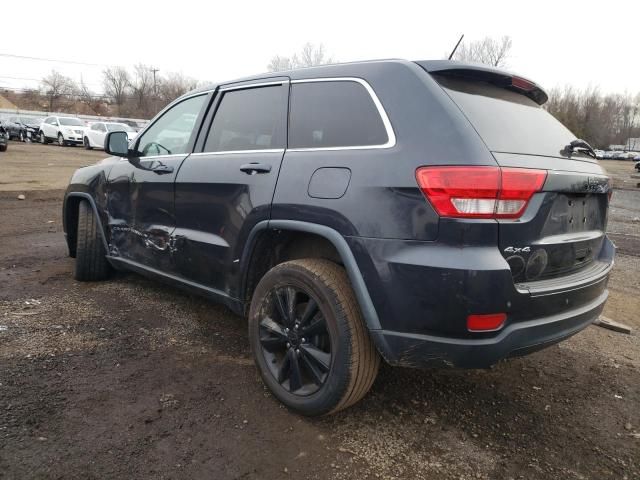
x: 155, y: 83
x: 155, y: 89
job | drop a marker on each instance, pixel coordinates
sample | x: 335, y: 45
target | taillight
x: 479, y: 192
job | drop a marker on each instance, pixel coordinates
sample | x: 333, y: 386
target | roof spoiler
x: 484, y: 73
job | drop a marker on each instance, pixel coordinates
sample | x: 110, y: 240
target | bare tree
x: 56, y: 86
x: 489, y: 51
x: 142, y: 86
x: 93, y: 103
x: 116, y: 83
x: 309, y: 56
x: 174, y: 85
x: 279, y: 64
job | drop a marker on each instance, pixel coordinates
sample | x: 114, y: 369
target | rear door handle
x: 253, y: 168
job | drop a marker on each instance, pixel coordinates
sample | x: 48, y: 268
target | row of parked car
x: 617, y: 155
x: 63, y: 130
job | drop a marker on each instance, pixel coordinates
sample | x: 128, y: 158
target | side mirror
x: 117, y: 143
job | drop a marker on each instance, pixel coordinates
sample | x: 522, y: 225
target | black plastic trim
x: 182, y: 283
x: 337, y: 240
x: 92, y: 202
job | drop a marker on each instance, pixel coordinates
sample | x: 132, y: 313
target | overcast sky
x: 580, y: 43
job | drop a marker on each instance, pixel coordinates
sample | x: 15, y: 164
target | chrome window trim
x: 391, y: 136
x: 253, y: 85
x: 153, y: 157
x: 229, y: 152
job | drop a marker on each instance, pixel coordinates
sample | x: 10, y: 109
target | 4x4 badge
x: 517, y: 250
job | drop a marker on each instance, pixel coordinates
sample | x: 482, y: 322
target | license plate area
x: 573, y: 213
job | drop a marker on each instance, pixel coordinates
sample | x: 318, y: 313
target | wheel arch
x: 70, y: 219
x: 332, y: 238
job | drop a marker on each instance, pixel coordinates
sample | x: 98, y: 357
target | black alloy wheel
x: 308, y: 338
x: 295, y: 341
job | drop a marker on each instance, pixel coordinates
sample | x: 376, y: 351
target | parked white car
x: 94, y: 135
x: 63, y: 130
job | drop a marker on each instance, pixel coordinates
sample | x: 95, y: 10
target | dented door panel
x: 141, y: 215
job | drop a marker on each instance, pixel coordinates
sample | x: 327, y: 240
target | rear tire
x: 91, y: 262
x: 325, y: 361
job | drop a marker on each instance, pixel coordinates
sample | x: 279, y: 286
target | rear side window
x: 507, y: 121
x: 251, y: 119
x: 329, y: 114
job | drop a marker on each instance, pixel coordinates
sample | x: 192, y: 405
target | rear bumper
x: 518, y: 339
x: 424, y: 291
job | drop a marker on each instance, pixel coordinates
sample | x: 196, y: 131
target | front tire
x: 87, y: 144
x: 61, y: 141
x: 91, y: 262
x: 309, y: 340
x: 43, y: 138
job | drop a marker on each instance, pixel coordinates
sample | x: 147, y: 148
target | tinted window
x: 171, y: 132
x: 252, y: 119
x: 507, y: 121
x: 334, y: 114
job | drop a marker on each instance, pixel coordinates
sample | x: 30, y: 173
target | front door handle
x: 162, y: 169
x: 253, y: 168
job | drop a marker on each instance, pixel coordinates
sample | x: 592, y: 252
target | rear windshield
x: 507, y: 121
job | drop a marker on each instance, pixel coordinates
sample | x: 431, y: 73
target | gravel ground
x: 132, y: 379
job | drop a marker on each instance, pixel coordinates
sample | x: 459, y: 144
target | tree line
x: 600, y: 119
x: 137, y: 93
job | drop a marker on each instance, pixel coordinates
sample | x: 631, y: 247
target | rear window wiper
x: 579, y: 145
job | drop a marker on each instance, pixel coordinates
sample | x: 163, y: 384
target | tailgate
x: 563, y: 228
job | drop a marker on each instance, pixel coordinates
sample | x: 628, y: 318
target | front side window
x: 328, y: 114
x: 170, y: 134
x: 251, y: 119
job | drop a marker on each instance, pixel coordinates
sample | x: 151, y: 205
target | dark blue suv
x: 427, y: 213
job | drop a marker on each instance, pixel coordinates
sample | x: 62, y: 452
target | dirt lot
x: 131, y: 379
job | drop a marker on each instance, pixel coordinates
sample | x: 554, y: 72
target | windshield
x: 507, y: 121
x: 71, y: 122
x: 118, y: 127
x: 30, y: 120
